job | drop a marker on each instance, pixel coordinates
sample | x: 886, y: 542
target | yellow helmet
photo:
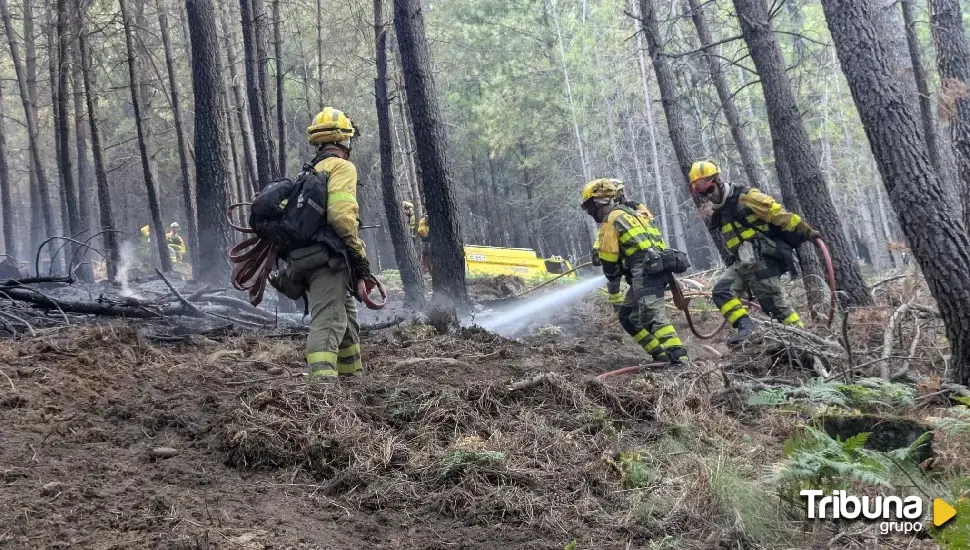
x: 330, y: 126
x: 702, y: 169
x: 145, y: 231
x: 407, y: 204
x: 602, y: 188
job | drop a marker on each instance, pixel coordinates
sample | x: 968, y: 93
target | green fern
x: 769, y: 398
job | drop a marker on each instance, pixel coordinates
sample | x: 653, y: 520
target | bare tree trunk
x: 211, y: 172
x: 158, y: 230
x: 922, y: 88
x: 587, y: 172
x: 106, y: 212
x: 265, y: 167
x: 280, y: 87
x: 786, y: 122
x: 261, y: 27
x: 953, y: 61
x: 675, y: 120
x: 658, y: 180
x: 937, y: 234
x: 250, y: 174
x: 188, y: 194
x: 31, y: 119
x: 756, y: 175
x: 320, y: 19
x: 84, y: 181
x: 404, y: 251
x: 6, y: 202
x: 447, y: 255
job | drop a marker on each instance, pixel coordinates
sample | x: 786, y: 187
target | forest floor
x: 111, y: 439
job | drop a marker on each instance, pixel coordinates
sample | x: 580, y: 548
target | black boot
x: 660, y: 357
x: 745, y: 328
x: 678, y: 357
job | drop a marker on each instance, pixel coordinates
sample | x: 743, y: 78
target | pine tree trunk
x: 676, y: 118
x: 31, y: 119
x: 134, y: 82
x: 188, y: 194
x: 922, y: 88
x: 808, y: 260
x: 953, y: 61
x: 261, y: 26
x: 250, y: 174
x: 106, y: 212
x: 65, y: 249
x: 320, y: 20
x: 570, y: 104
x: 404, y: 250
x: 37, y: 225
x: 786, y: 122
x: 84, y: 183
x: 938, y: 236
x: 447, y: 255
x: 211, y: 147
x: 658, y: 180
x: 756, y: 175
x: 6, y: 202
x: 280, y: 88
x: 256, y: 97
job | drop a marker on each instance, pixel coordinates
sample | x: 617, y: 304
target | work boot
x: 745, y: 328
x: 324, y: 374
x: 678, y: 357
x: 661, y: 357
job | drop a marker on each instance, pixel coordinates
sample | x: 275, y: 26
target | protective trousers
x: 643, y: 314
x: 333, y: 345
x: 763, y: 279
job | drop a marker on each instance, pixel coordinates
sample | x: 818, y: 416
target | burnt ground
x: 430, y: 449
x: 460, y: 440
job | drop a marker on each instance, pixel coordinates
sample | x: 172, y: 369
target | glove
x: 616, y: 298
x: 807, y: 231
x: 595, y: 257
x: 360, y: 268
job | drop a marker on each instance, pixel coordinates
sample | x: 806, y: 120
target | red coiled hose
x: 252, y: 260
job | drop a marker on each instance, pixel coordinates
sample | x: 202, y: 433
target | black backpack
x: 292, y: 213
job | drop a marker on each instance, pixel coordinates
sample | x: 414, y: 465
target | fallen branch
x: 33, y: 280
x: 42, y: 301
x: 241, y: 305
x: 194, y: 311
x: 887, y: 337
x: 530, y: 382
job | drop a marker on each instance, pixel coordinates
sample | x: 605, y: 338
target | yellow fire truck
x: 490, y: 261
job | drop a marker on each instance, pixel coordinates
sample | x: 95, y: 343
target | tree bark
x: 938, y: 236
x: 134, y: 82
x: 922, y: 88
x: 447, y: 255
x: 953, y: 62
x: 320, y: 19
x: 785, y: 121
x: 31, y: 119
x: 571, y: 105
x: 84, y: 181
x: 211, y: 172
x: 188, y: 195
x: 260, y: 27
x: 756, y: 175
x: 404, y: 251
x: 251, y: 174
x: 6, y: 202
x: 256, y: 97
x: 280, y: 87
x: 105, y: 209
x: 674, y: 113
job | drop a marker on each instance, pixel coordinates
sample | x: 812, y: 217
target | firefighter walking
x: 760, y: 235
x: 323, y: 272
x: 629, y: 246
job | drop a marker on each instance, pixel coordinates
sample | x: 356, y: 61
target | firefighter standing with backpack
x: 759, y: 234
x: 324, y: 272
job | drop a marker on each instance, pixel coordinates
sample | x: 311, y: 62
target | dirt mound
x: 432, y: 447
x: 501, y: 286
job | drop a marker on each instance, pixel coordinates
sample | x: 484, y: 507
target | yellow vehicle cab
x: 490, y: 261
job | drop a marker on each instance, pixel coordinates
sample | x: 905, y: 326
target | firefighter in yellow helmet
x: 326, y: 272
x: 408, y: 208
x: 176, y: 244
x: 760, y: 235
x: 629, y: 246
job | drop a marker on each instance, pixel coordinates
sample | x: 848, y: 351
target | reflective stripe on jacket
x: 626, y: 234
x: 748, y: 214
x: 342, y: 208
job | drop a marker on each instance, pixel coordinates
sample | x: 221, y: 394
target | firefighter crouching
x: 760, y: 235
x: 629, y: 246
x: 324, y: 272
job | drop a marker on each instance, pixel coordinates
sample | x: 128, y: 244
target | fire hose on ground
x: 253, y: 260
